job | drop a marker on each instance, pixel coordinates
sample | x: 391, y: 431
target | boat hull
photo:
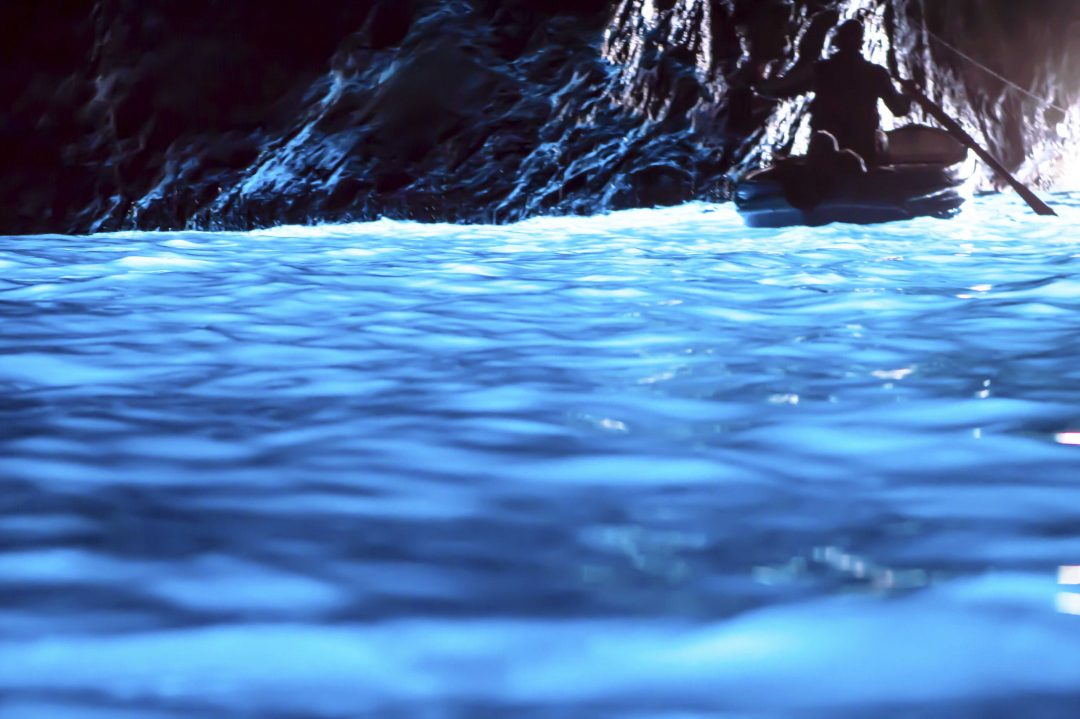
x: 925, y: 175
x: 885, y: 194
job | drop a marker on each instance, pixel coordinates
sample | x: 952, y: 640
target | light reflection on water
x: 645, y: 465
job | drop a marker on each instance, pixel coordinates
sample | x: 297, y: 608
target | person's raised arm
x: 797, y: 82
x: 800, y: 80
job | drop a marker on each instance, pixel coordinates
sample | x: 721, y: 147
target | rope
x: 1004, y: 79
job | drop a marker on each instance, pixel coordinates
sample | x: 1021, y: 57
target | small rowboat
x: 923, y: 174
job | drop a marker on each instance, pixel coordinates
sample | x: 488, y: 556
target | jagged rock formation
x: 153, y: 114
x: 1034, y: 45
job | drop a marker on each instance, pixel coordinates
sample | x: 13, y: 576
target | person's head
x: 849, y: 37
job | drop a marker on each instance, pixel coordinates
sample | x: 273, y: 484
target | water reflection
x: 1069, y: 575
x: 1069, y: 602
x: 612, y: 466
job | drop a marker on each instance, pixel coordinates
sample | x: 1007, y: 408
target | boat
x: 923, y: 174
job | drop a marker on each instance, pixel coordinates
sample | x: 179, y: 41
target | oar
x: 954, y: 127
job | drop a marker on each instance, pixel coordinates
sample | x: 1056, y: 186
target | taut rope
x: 999, y: 76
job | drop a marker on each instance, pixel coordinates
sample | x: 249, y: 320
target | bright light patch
x: 469, y: 269
x: 1069, y: 575
x: 356, y: 252
x: 160, y: 262
x: 894, y: 374
x: 1071, y: 438
x: 1068, y: 603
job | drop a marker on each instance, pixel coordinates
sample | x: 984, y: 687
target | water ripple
x: 626, y: 466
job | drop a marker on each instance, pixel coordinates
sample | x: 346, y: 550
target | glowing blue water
x: 646, y: 465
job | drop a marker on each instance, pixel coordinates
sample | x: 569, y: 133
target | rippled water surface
x: 645, y: 465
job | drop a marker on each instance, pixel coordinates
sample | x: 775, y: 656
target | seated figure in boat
x: 846, y: 90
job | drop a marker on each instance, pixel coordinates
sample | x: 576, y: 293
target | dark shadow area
x: 213, y: 115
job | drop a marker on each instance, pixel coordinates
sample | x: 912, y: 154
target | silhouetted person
x: 846, y: 90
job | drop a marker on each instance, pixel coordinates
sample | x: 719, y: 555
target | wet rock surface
x: 157, y: 115
x: 1008, y: 71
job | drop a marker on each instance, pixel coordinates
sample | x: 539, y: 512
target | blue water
x: 649, y: 465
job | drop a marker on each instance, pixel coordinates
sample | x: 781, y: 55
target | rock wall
x: 154, y: 114
x: 1035, y: 45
